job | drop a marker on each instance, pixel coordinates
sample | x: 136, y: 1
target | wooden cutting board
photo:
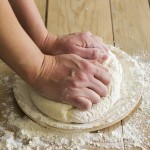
x: 124, y: 23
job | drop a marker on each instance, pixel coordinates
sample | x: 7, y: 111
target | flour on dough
x: 67, y: 113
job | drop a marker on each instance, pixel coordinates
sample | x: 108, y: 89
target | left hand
x: 83, y: 44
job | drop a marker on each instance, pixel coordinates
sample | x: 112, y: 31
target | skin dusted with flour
x: 67, y: 113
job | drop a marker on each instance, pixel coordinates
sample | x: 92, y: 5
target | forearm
x: 16, y: 47
x: 30, y: 19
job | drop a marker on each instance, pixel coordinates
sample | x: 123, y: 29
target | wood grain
x: 131, y: 26
x: 128, y: 21
x: 69, y: 16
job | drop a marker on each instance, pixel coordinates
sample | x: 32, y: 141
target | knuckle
x: 71, y: 50
x: 71, y: 83
x: 74, y: 83
x: 74, y: 57
x: 84, y: 36
x: 81, y: 104
x: 104, y: 91
x: 70, y: 40
x: 95, y: 54
x: 87, y: 65
x: 106, y: 76
x: 82, y: 76
x: 86, y: 105
x: 108, y: 80
x: 88, y: 33
x: 96, y: 100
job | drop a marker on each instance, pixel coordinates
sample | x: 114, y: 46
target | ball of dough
x: 68, y: 114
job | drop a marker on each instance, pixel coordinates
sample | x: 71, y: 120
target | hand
x: 73, y: 80
x: 83, y: 44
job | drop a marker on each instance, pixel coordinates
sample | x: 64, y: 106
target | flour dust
x: 19, y: 132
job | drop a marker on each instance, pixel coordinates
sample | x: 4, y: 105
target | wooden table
x: 123, y: 23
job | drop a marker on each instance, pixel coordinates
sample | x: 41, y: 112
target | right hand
x: 83, y: 44
x: 73, y: 80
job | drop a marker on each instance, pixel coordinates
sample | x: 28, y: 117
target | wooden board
x: 4, y: 71
x: 128, y: 21
x: 131, y: 26
x: 69, y: 16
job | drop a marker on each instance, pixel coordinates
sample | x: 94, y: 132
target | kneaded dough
x: 69, y: 114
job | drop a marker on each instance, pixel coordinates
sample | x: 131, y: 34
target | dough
x: 130, y: 95
x: 67, y: 113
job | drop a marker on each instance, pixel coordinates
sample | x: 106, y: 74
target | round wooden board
x: 131, y: 91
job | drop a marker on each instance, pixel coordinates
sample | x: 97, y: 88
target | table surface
x: 123, y: 23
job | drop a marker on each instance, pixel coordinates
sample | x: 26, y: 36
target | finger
x: 106, y: 69
x: 103, y: 57
x: 102, y: 75
x: 98, y: 64
x: 99, y: 43
x: 92, y: 53
x: 84, y: 35
x: 95, y: 62
x: 85, y: 92
x: 81, y: 103
x: 98, y: 87
x: 91, y: 95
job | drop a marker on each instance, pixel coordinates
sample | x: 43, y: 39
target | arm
x: 84, y: 44
x: 30, y: 19
x: 66, y: 78
x: 16, y: 47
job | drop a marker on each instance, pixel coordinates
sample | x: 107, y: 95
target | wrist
x: 31, y: 69
x: 47, y: 44
x: 44, y: 72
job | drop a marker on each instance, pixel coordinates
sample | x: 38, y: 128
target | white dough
x: 67, y: 113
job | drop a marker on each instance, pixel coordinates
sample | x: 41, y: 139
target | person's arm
x: 31, y: 21
x: 83, y: 44
x: 66, y: 78
x: 16, y: 47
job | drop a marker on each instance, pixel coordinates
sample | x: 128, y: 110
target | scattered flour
x: 19, y: 132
